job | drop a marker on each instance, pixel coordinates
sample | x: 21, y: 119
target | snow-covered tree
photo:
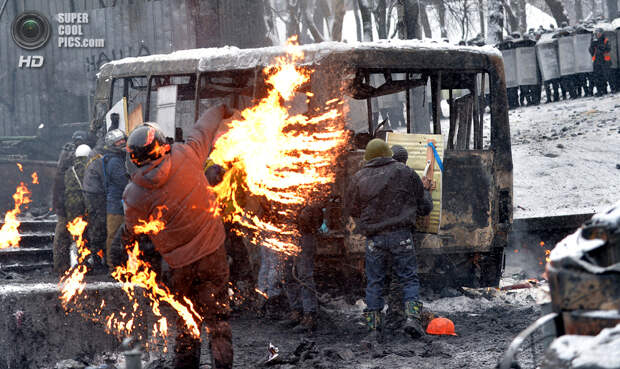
x: 495, y: 11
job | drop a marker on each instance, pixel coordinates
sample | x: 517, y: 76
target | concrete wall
x: 59, y: 92
x: 35, y: 331
x: 11, y: 177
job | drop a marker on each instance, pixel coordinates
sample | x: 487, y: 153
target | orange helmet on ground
x: 441, y: 326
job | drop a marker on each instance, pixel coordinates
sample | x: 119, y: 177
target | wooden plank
x: 464, y: 106
x: 416, y: 145
x: 452, y: 130
x: 483, y: 91
x: 476, y: 116
x: 408, y: 107
x: 436, y: 100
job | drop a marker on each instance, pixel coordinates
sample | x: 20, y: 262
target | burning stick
x: 529, y: 284
x: 72, y: 283
x: 9, y: 233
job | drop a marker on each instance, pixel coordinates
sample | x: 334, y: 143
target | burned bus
x: 408, y: 92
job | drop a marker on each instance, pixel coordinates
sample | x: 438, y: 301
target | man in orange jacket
x: 192, y: 242
x: 601, y: 60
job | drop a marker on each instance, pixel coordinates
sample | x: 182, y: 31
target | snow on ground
x: 566, y: 156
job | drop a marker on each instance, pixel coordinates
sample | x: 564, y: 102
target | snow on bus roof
x: 223, y: 58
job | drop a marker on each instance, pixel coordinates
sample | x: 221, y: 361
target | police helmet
x: 115, y: 140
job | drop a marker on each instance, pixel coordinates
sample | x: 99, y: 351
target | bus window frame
x: 147, y: 113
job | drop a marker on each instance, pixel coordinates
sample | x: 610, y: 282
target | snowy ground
x: 566, y: 156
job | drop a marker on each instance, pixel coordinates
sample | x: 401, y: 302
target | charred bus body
x: 476, y: 211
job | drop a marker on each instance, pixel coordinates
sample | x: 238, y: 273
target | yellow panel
x: 416, y: 147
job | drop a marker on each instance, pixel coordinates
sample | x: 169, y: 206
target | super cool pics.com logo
x: 32, y: 30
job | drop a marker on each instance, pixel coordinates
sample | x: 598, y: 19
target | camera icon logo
x: 31, y: 30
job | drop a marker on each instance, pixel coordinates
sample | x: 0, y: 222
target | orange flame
x: 20, y: 167
x: 35, y: 178
x: 72, y: 283
x: 153, y: 225
x: 138, y: 273
x: 9, y: 233
x: 159, y: 150
x: 282, y: 158
x: 261, y: 293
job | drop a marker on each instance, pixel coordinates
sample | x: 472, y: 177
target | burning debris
x: 283, y: 158
x: 9, y: 233
x: 72, y: 283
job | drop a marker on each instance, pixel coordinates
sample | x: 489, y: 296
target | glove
x: 214, y: 174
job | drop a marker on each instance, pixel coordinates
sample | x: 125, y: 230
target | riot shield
x: 527, y: 68
x: 547, y: 53
x: 566, y: 55
x: 510, y: 67
x: 583, y: 60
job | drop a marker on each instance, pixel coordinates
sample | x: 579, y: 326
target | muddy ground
x: 483, y: 334
x: 486, y: 321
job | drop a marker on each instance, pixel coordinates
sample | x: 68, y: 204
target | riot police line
x: 560, y: 61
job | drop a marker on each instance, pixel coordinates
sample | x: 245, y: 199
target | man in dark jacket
x: 601, y: 60
x: 395, y: 312
x: 94, y: 199
x: 62, y: 239
x: 115, y: 179
x: 384, y: 197
x: 192, y: 242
